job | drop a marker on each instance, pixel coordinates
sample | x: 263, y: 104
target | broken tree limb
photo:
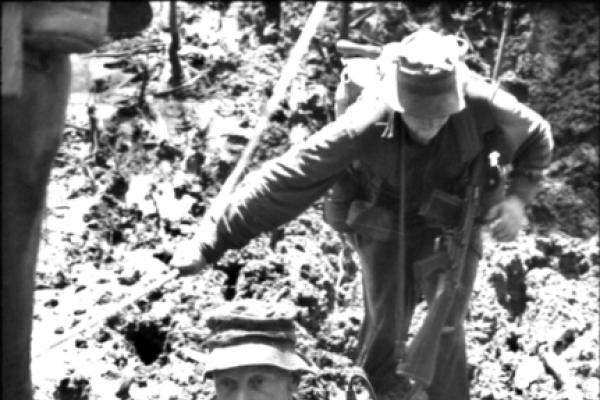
x: 360, y: 19
x: 144, y: 49
x: 559, y: 370
x: 505, y: 27
x: 137, y: 293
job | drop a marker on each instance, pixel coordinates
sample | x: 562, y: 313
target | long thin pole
x: 505, y: 27
x: 288, y: 72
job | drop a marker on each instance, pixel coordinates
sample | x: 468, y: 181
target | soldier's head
x: 253, y: 354
x: 422, y: 78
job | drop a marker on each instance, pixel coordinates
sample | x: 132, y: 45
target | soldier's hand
x: 507, y: 218
x: 188, y: 259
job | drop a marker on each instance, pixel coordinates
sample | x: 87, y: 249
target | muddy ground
x: 140, y: 163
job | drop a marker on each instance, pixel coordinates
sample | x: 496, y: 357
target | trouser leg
x: 31, y: 128
x: 383, y: 281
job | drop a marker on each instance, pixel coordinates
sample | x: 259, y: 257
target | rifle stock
x: 420, y: 359
x: 421, y: 354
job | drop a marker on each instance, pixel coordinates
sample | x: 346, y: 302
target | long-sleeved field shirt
x: 284, y: 187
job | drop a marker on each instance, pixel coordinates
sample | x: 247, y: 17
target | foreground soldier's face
x: 254, y: 383
x: 424, y: 129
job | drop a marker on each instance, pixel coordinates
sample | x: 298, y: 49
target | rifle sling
x: 400, y: 299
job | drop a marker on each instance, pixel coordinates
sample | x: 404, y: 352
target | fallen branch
x: 110, y: 311
x: 189, y: 84
x: 359, y: 20
x: 144, y: 49
x: 505, y: 27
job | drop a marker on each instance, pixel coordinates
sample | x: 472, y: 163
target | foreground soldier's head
x: 252, y: 352
x: 422, y: 78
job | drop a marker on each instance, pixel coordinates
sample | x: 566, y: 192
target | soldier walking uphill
x: 424, y: 123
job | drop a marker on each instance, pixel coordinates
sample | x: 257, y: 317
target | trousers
x: 32, y: 125
x: 383, y: 281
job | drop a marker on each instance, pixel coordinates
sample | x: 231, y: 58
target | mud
x: 129, y: 186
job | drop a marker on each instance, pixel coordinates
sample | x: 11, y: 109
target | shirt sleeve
x: 285, y: 186
x: 530, y: 138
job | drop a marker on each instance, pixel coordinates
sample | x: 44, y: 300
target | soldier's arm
x: 530, y: 138
x: 285, y: 186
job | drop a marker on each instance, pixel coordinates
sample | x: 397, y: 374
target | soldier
x: 252, y: 352
x: 37, y: 38
x: 427, y: 106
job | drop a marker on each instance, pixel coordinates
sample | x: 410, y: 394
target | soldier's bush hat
x: 423, y: 74
x: 251, y: 332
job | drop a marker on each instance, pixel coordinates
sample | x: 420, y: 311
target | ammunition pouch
x: 442, y: 210
x: 357, y: 216
x: 337, y: 202
x: 370, y: 220
x: 348, y: 209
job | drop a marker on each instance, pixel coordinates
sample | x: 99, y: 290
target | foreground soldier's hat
x: 423, y: 74
x: 252, y: 333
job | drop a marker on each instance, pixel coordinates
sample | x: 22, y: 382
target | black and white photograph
x: 300, y: 200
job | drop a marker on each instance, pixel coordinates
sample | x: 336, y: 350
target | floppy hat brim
x: 247, y: 354
x: 436, y: 105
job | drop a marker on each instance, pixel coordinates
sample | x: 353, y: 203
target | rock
x: 130, y: 278
x: 102, y: 335
x: 73, y: 388
x: 118, y: 187
x: 528, y: 370
x: 51, y: 303
x: 123, y: 390
x: 193, y: 162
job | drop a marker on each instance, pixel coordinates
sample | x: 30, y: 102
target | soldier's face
x: 254, y: 383
x: 424, y: 129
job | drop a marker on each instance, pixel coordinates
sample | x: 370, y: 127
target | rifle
x: 419, y: 361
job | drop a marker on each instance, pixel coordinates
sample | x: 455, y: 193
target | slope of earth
x: 140, y: 163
